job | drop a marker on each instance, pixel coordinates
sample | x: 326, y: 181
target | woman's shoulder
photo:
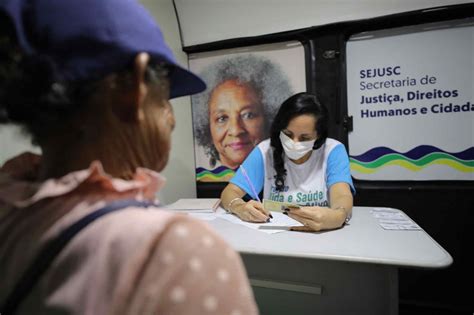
x: 264, y: 146
x: 266, y: 150
x: 332, y: 143
x: 331, y: 147
x: 146, y: 252
x: 168, y: 252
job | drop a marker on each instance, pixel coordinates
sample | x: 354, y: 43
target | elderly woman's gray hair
x: 265, y: 76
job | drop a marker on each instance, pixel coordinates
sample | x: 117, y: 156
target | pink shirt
x: 134, y: 261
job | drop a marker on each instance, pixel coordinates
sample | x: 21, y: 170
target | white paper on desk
x: 384, y: 210
x: 202, y: 204
x: 389, y: 215
x: 279, y: 223
x: 393, y: 219
x: 401, y: 225
x: 203, y: 216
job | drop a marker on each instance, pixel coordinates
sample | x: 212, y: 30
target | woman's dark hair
x: 299, y: 104
x: 34, y: 97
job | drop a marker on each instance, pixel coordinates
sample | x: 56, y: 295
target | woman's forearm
x: 341, y: 198
x: 231, y: 196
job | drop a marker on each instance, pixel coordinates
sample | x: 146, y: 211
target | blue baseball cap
x: 88, y: 39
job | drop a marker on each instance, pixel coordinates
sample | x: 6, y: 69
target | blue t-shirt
x: 306, y: 184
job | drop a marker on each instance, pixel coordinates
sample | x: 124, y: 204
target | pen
x: 250, y: 183
x: 247, y: 178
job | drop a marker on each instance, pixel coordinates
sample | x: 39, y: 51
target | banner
x: 410, y: 93
x: 245, y: 88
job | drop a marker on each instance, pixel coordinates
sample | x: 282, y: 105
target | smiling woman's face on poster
x: 234, y: 114
x: 236, y: 121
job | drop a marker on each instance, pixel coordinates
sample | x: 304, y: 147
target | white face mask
x: 295, y: 150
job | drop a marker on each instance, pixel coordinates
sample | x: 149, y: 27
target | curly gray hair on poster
x: 264, y: 75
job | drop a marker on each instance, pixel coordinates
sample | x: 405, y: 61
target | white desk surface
x: 362, y: 240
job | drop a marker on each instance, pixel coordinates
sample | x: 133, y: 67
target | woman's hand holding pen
x: 251, y: 211
x: 316, y: 218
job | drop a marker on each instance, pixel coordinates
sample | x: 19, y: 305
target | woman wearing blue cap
x: 81, y: 233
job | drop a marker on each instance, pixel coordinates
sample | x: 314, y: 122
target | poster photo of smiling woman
x: 245, y: 88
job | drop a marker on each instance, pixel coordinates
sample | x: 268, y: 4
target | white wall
x: 204, y: 21
x: 180, y: 169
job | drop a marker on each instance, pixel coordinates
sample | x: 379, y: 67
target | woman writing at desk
x: 299, y: 165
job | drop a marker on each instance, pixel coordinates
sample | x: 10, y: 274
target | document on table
x: 200, y: 208
x: 202, y: 216
x: 393, y: 219
x: 279, y: 223
x: 203, y: 204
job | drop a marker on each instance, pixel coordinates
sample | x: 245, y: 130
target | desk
x: 353, y: 270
